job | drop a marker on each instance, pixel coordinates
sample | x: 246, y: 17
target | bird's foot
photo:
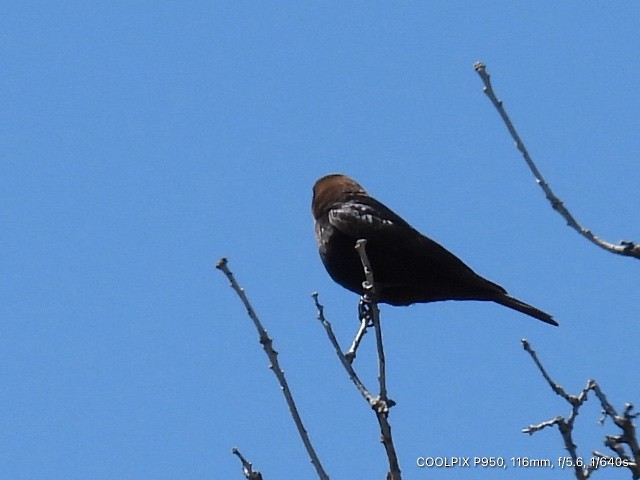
x: 365, y: 312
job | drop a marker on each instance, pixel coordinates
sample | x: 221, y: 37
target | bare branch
x: 346, y: 363
x: 364, y: 325
x: 549, y: 423
x: 383, y: 403
x: 557, y: 389
x: 627, y: 248
x: 565, y: 426
x: 267, y: 345
x: 619, y: 444
x: 370, y: 295
x: 247, y: 468
x: 628, y: 437
x: 374, y: 402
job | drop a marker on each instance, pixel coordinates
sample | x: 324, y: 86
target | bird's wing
x: 404, y: 247
x: 365, y: 217
x: 368, y: 218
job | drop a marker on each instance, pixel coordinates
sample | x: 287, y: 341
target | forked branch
x: 625, y: 446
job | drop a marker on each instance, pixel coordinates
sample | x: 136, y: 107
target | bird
x: 408, y: 267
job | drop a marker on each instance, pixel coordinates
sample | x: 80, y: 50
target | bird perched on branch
x: 407, y: 266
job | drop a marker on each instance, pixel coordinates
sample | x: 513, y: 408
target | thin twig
x: 554, y: 386
x: 370, y: 293
x: 616, y: 443
x: 247, y: 468
x: 364, y: 325
x: 343, y: 358
x: 383, y: 403
x: 628, y: 437
x: 627, y: 248
x: 267, y: 344
x: 565, y: 426
x: 374, y: 402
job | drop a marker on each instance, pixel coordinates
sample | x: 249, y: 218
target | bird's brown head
x: 331, y: 189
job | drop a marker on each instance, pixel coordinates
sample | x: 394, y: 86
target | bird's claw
x: 364, y: 311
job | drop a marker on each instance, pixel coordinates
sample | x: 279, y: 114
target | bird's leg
x: 364, y: 310
x: 364, y: 314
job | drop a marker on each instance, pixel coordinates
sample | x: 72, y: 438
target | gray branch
x: 344, y: 359
x: 625, y: 446
x: 247, y: 467
x: 267, y: 345
x: 383, y: 403
x: 627, y: 248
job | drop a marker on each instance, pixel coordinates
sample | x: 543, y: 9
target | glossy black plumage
x: 408, y: 267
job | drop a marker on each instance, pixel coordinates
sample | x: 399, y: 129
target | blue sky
x: 142, y: 141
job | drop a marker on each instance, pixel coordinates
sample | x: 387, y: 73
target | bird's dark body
x: 408, y: 267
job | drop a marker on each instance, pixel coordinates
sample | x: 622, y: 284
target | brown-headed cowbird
x: 407, y: 266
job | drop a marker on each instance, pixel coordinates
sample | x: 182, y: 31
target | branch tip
x: 222, y: 263
x: 627, y: 248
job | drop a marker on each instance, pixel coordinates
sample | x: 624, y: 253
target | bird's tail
x: 530, y: 310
